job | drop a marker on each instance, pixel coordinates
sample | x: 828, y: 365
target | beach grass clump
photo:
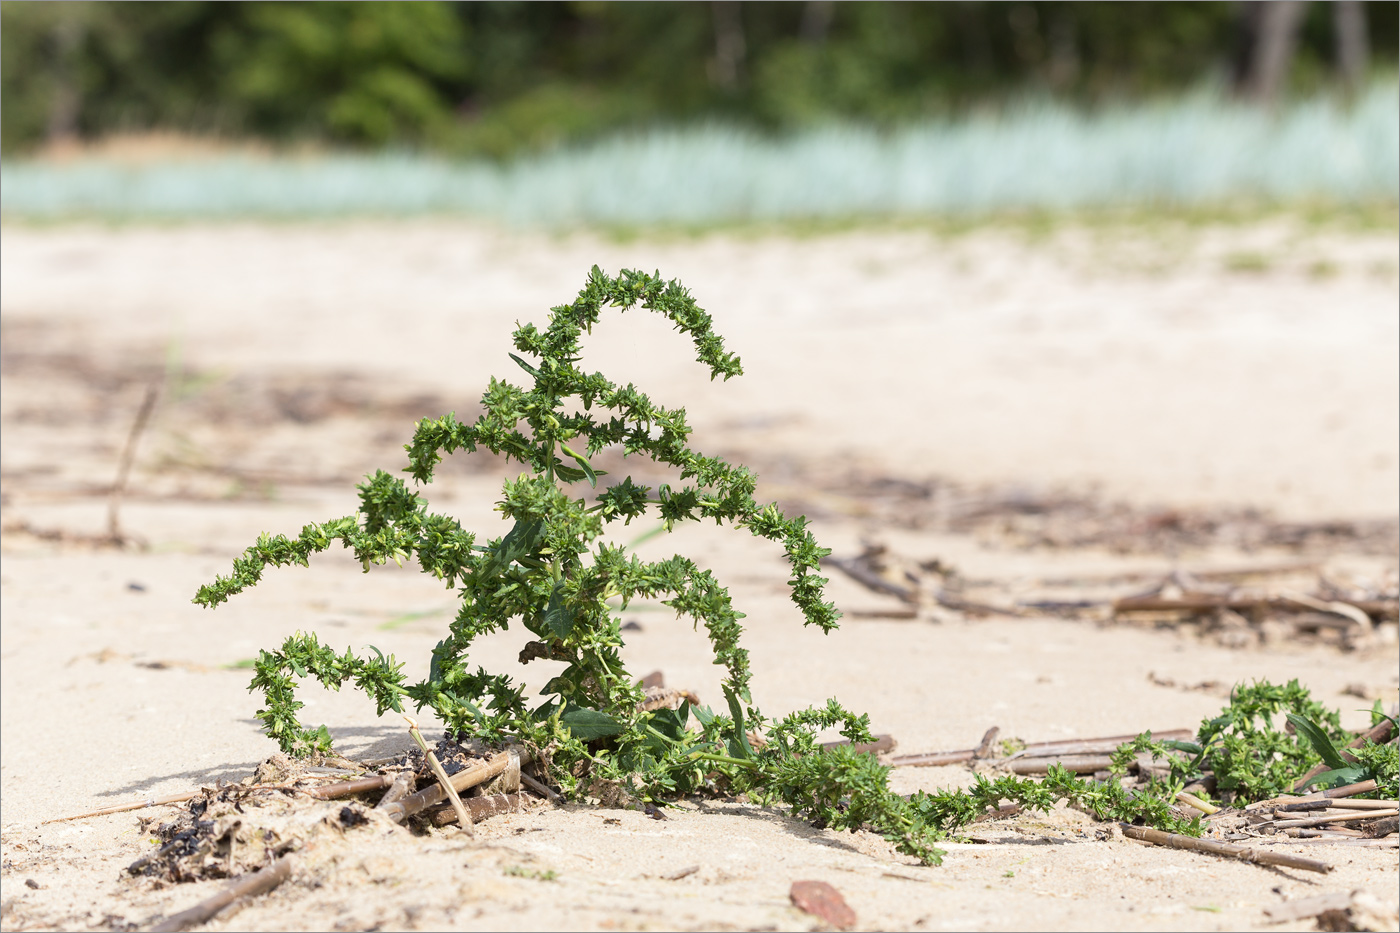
x: 1195, y: 151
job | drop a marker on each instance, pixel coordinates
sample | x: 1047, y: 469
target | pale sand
x: 1157, y: 366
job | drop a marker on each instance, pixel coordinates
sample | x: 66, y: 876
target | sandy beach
x: 1237, y: 385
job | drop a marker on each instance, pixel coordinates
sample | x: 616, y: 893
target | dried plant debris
x: 1011, y: 516
x: 1236, y: 607
x: 291, y: 805
x: 236, y: 829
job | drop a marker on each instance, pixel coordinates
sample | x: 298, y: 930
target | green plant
x: 591, y: 732
x: 1253, y: 757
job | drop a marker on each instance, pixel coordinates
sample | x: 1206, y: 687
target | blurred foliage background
x: 500, y: 79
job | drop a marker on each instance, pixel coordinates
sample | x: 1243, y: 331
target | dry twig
x: 143, y: 415
x: 1177, y: 841
x: 259, y: 882
x: 124, y: 807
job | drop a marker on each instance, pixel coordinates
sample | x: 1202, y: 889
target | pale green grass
x: 1199, y: 153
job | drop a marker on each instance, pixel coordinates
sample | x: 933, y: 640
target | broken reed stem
x: 1176, y: 841
x: 1334, y: 818
x: 398, y: 790
x: 124, y: 807
x: 541, y: 788
x: 1193, y: 801
x: 482, y: 807
x: 346, y: 788
x: 463, y: 817
x: 1045, y: 751
x: 984, y: 747
x: 259, y: 882
x: 114, y: 503
x: 471, y: 776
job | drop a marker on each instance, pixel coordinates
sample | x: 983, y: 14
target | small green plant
x: 1253, y: 755
x: 550, y: 574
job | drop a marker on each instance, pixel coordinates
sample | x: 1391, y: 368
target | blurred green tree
x: 373, y: 72
x: 500, y: 77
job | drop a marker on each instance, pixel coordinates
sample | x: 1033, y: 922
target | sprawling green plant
x: 592, y: 731
x: 1263, y: 741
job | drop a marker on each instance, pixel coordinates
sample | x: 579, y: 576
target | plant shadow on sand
x: 379, y: 742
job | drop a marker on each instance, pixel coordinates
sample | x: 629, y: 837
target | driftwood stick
x: 1191, y: 800
x: 124, y: 807
x: 259, y: 882
x: 1176, y: 841
x: 471, y: 776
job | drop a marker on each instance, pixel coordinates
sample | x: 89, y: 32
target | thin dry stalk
x: 933, y: 759
x: 463, y: 816
x: 1042, y: 750
x: 1332, y: 840
x: 259, y: 882
x: 1176, y: 841
x: 114, y: 503
x: 1097, y: 746
x: 124, y: 807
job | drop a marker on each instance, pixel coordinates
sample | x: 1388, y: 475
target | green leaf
x: 525, y: 366
x: 1318, y: 740
x: 590, y: 724
x: 671, y: 722
x: 1338, y: 777
x: 741, y: 738
x: 519, y: 542
x: 559, y: 617
x: 583, y: 464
